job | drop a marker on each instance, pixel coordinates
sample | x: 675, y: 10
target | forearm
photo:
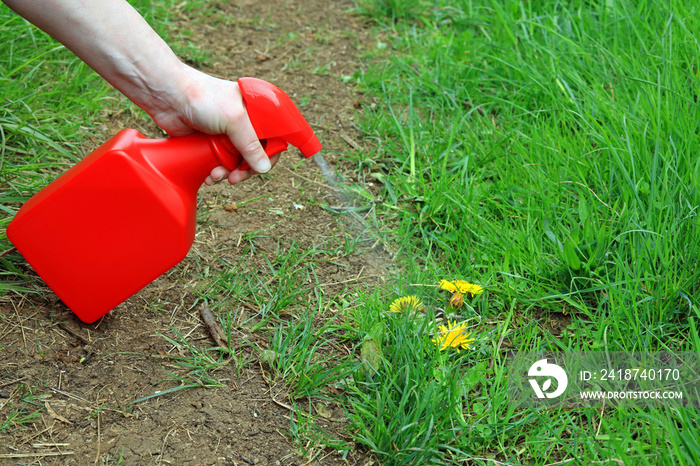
x: 115, y: 41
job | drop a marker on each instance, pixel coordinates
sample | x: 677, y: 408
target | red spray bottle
x: 126, y: 213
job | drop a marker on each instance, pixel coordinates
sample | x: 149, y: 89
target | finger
x: 237, y: 176
x: 219, y: 173
x: 243, y: 136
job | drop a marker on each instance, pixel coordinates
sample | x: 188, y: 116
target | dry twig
x: 75, y: 333
x: 8, y: 251
x: 37, y: 455
x: 12, y: 382
x: 214, y: 328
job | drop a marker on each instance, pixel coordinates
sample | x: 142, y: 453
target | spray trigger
x: 272, y: 146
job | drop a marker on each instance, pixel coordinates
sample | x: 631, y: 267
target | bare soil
x: 83, y: 377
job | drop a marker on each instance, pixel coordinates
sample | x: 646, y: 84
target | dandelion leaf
x: 371, y: 354
x: 377, y: 333
x: 571, y: 257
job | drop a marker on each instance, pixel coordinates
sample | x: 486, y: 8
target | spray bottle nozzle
x: 277, y: 123
x: 274, y: 115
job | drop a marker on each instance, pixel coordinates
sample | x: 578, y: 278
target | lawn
x: 546, y: 152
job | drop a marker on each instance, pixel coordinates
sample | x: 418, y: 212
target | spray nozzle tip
x: 311, y: 147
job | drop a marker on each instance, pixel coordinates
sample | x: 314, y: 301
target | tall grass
x: 548, y: 146
x: 547, y: 150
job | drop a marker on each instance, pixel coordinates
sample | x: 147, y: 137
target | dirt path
x: 81, y: 378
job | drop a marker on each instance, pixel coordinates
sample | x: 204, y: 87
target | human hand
x: 199, y: 102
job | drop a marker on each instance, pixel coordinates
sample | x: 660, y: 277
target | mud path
x: 81, y: 379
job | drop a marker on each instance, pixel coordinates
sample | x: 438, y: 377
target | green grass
x: 272, y: 301
x: 25, y: 410
x: 548, y: 151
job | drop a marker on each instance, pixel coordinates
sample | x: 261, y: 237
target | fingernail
x: 263, y: 165
x: 218, y: 174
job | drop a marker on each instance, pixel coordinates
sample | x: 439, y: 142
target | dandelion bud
x: 457, y: 300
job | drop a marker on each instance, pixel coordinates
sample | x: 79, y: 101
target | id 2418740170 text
x: 630, y: 374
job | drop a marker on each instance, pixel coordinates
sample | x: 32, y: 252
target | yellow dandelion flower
x: 453, y: 336
x: 461, y: 286
x: 405, y: 303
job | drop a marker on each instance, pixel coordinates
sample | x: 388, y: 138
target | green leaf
x: 377, y: 333
x: 371, y: 355
x: 570, y: 255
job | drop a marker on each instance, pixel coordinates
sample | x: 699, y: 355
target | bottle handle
x: 231, y: 158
